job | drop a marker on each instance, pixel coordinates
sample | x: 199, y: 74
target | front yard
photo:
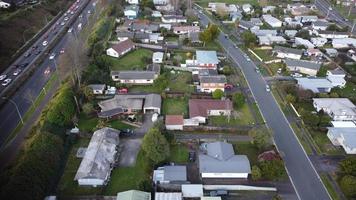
x: 243, y: 116
x: 265, y: 55
x: 135, y: 60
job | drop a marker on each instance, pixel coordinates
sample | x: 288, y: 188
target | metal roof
x: 302, y: 63
x: 136, y: 75
x: 207, y: 57
x: 287, y: 50
x: 213, y: 79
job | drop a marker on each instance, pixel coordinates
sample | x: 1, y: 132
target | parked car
x: 216, y: 193
x: 268, y: 89
x: 62, y: 24
x: 6, y: 82
x: 38, y: 52
x: 279, y: 70
x: 123, y: 91
x: 131, y: 118
x: 126, y: 132
x: 228, y: 86
x: 34, y: 47
x: 70, y: 30
x: 89, y: 11
x: 52, y: 56
x: 44, y: 43
x: 17, y: 72
x: 2, y: 77
x: 154, y: 117
x: 23, y: 65
x: 66, y: 19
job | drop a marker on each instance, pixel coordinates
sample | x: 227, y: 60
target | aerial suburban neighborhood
x: 178, y: 99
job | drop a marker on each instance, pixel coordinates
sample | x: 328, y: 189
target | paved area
x: 129, y: 151
x: 146, y: 125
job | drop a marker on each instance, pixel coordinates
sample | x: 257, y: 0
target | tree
x: 88, y: 93
x: 290, y: 98
x: 238, y: 99
x: 227, y: 70
x: 205, y: 36
x: 256, y: 173
x: 88, y: 108
x: 209, y: 34
x: 303, y: 34
x: 217, y: 94
x: 249, y: 38
x: 261, y: 138
x: 332, y: 27
x: 155, y: 146
x: 272, y: 169
x: 348, y: 166
x: 305, y: 95
x: 348, y: 185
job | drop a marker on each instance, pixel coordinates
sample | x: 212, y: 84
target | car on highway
x: 80, y: 16
x: 66, y: 19
x: 35, y: 47
x: 51, y: 57
x: 23, y: 65
x: 63, y: 23
x: 6, y: 82
x: 38, y: 52
x: 44, y: 43
x: 2, y: 77
x: 268, y: 89
x: 28, y: 54
x: 89, y: 12
x: 17, y: 72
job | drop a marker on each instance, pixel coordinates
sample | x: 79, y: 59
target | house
x: 316, y: 85
x: 343, y: 124
x: 336, y: 77
x: 170, y: 174
x: 97, y: 88
x: 121, y: 48
x: 192, y: 191
x: 130, y: 103
x: 131, y: 11
x: 4, y: 5
x: 134, y: 77
x: 292, y: 23
x: 235, y: 15
x: 194, y: 37
x: 174, y: 122
x: 264, y: 32
x: 339, y: 109
x: 247, y: 8
x: 298, y: 9
x: 285, y: 52
x: 168, y: 196
x: 290, y: 33
x: 135, y: 2
x: 144, y: 26
x: 211, y: 83
x: 269, y: 40
x: 201, y: 109
x: 173, y: 19
x: 133, y: 195
x: 268, y: 9
x: 318, y: 41
x: 332, y: 34
x: 207, y: 59
x: 320, y: 25
x: 142, y: 37
x: 155, y: 38
x: 220, y: 161
x: 344, y: 137
x: 216, y: 6
x: 247, y: 25
x: 331, y: 52
x: 303, y: 42
x: 157, y: 57
x: 100, y: 156
x: 197, y: 74
x: 340, y: 43
x: 303, y: 66
x: 256, y: 21
x: 124, y: 35
x: 306, y: 18
x: 272, y: 21
x: 179, y: 30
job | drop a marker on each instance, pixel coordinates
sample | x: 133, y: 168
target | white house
x: 97, y: 163
x: 290, y: 33
x: 344, y: 137
x: 268, y: 9
x: 303, y: 42
x: 120, y: 48
x: 332, y: 34
x: 174, y: 122
x: 131, y: 11
x: 272, y: 21
x: 285, y: 52
x: 269, y: 40
x: 179, y: 30
x: 220, y: 161
x: 340, y: 43
x: 247, y: 8
x: 316, y: 85
x: 339, y: 109
x: 303, y: 66
x: 173, y: 19
x: 97, y: 88
x: 4, y: 4
x: 318, y: 41
x: 134, y: 77
x: 207, y: 59
x: 264, y: 32
x: 135, y: 2
x: 157, y: 57
x: 336, y: 77
x: 320, y: 25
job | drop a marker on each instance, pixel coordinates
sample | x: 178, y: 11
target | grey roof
x: 141, y: 35
x: 337, y: 71
x: 100, y: 155
x: 144, y: 27
x: 125, y: 34
x: 153, y: 100
x: 246, y: 24
x: 287, y: 50
x: 194, y: 36
x: 337, y: 106
x: 97, y: 86
x: 321, y: 23
x: 263, y: 32
x: 348, y: 133
x: 302, y: 63
x: 220, y: 158
x: 133, y: 195
x: 207, y: 57
x: 207, y: 72
x: 132, y: 7
x: 315, y: 84
x: 130, y: 75
x: 213, y: 79
x: 256, y: 21
x: 171, y: 173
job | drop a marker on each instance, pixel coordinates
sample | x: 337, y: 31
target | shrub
x: 272, y: 170
x: 217, y: 94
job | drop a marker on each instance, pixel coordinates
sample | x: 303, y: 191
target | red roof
x: 200, y: 107
x: 174, y: 119
x: 123, y: 46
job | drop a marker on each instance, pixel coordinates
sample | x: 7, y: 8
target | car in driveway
x: 6, y: 82
x: 126, y: 132
x: 52, y: 56
x: 17, y: 72
x: 2, y: 77
x: 44, y: 43
x: 192, y: 156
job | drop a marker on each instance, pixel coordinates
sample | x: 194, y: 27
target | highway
x: 34, y: 85
x: 302, y: 173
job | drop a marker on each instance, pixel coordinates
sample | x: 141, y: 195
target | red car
x: 123, y: 91
x: 228, y: 86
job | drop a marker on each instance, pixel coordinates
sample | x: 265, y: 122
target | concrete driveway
x: 146, y: 125
x: 129, y: 151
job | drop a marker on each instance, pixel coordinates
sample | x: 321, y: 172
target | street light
x: 17, y: 108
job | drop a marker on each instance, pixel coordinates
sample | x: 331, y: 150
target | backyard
x: 135, y: 60
x: 175, y: 106
x: 88, y: 123
x: 243, y: 117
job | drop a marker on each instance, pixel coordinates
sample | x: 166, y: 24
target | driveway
x: 129, y: 151
x: 146, y: 125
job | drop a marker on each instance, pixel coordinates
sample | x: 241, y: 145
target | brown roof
x: 174, y: 119
x: 200, y: 107
x: 123, y: 46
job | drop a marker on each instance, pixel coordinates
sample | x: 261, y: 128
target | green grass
x: 134, y: 60
x: 179, y: 154
x: 86, y: 123
x: 344, y: 11
x: 329, y: 187
x: 175, y: 106
x: 274, y: 67
x: 127, y: 178
x: 324, y: 143
x: 211, y: 46
x: 258, y: 113
x: 244, y: 117
x: 117, y: 124
x: 349, y: 91
x: 67, y: 186
x: 265, y: 55
x: 302, y: 141
x: 248, y: 149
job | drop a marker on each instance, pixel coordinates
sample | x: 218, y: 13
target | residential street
x: 305, y: 179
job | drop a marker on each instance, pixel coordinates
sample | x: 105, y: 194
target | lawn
x: 211, y: 46
x: 349, y: 91
x: 128, y: 178
x: 324, y: 143
x: 248, y: 149
x: 88, y: 123
x: 135, y: 60
x: 67, y: 186
x: 117, y: 124
x: 179, y: 153
x: 265, y: 55
x: 274, y: 67
x: 204, y: 3
x: 243, y: 117
x: 175, y: 106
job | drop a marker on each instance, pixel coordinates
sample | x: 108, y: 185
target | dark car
x: 35, y: 47
x: 126, y: 132
x: 27, y: 54
x: 37, y: 52
x: 23, y: 64
x: 192, y: 156
x: 216, y: 193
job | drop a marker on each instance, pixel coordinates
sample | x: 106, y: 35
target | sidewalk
x: 8, y: 154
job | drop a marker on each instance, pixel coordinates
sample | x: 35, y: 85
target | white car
x: 17, y: 72
x: 6, y: 82
x: 154, y: 117
x: 70, y: 30
x: 267, y: 88
x: 2, y: 77
x: 66, y: 19
x: 62, y: 24
x: 44, y: 43
x: 52, y: 56
x: 89, y: 11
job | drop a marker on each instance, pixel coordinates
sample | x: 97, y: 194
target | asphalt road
x: 302, y: 173
x: 34, y: 85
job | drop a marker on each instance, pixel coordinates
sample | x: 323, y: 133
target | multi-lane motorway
x: 35, y: 83
x: 304, y: 177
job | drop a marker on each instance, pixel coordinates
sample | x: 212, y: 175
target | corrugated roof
x: 123, y: 46
x: 291, y: 63
x: 207, y: 57
x: 200, y: 107
x: 213, y: 79
x: 174, y: 120
x: 287, y: 50
x: 136, y: 75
